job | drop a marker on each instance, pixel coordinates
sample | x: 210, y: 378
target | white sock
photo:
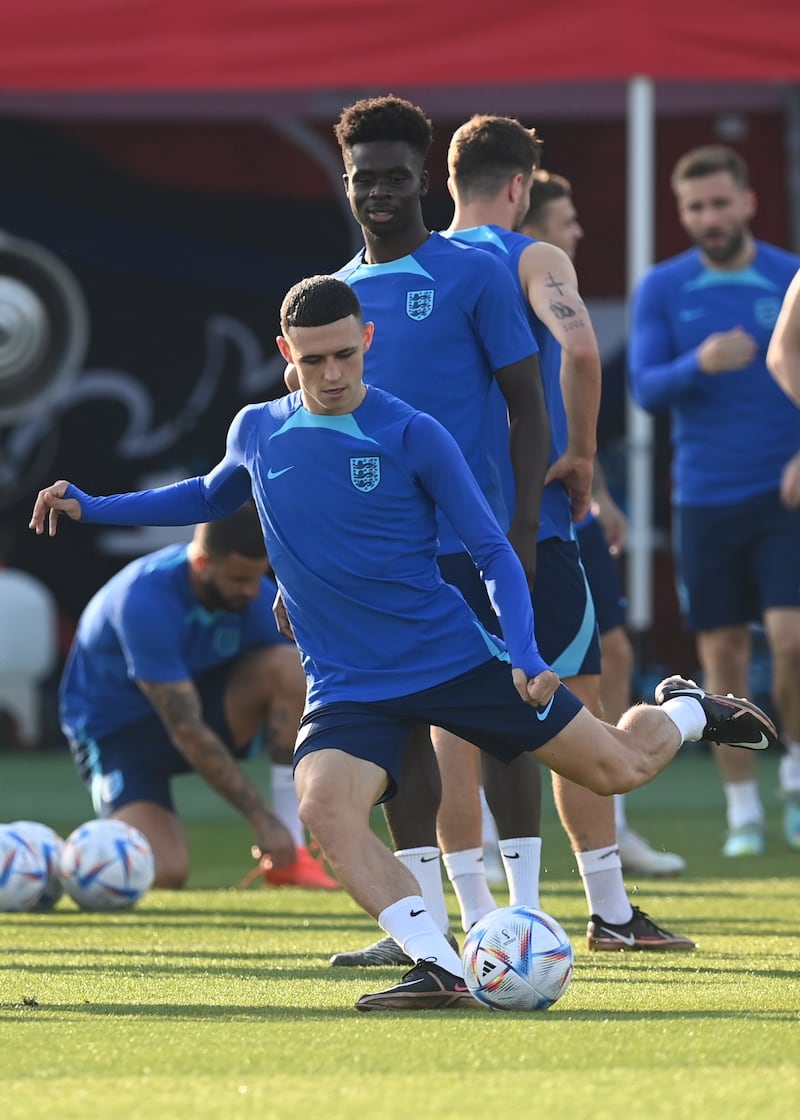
x: 603, y: 885
x: 743, y: 804
x: 284, y: 802
x: 789, y: 768
x: 466, y: 872
x: 687, y: 715
x: 415, y: 931
x: 425, y: 865
x: 522, y: 857
x: 620, y: 819
x: 489, y: 835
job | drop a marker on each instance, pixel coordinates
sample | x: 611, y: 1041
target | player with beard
x: 700, y: 327
x: 177, y: 665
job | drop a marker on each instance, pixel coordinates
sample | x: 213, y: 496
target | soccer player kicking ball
x: 347, y: 480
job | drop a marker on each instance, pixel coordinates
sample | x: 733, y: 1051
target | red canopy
x: 261, y: 45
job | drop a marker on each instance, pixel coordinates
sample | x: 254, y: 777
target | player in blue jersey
x: 177, y: 665
x: 552, y: 217
x: 700, y: 327
x: 450, y: 332
x: 490, y: 163
x: 347, y: 480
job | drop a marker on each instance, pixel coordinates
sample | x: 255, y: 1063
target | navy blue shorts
x: 137, y: 763
x: 481, y: 706
x: 564, y: 618
x: 602, y: 572
x: 566, y: 627
x: 733, y: 562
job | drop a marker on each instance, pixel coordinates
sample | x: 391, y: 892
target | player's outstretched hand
x: 536, y: 691
x: 50, y: 503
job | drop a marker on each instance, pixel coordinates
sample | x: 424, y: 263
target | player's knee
x: 318, y: 812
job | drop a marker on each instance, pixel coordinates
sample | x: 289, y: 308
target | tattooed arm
x: 178, y: 705
x: 551, y: 285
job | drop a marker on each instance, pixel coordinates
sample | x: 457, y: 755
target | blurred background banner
x: 175, y: 165
x: 317, y: 45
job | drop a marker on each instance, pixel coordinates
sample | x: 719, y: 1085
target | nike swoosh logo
x: 427, y: 859
x: 416, y: 913
x: 509, y: 855
x: 543, y: 713
x: 755, y: 746
x: 459, y: 987
x: 628, y: 939
x: 276, y: 474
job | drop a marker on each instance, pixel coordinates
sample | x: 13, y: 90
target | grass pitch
x: 219, y: 1002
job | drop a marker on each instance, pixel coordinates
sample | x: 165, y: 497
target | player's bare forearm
x: 178, y: 705
x: 581, y: 382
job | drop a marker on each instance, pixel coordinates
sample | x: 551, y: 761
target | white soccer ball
x: 48, y: 843
x: 23, y: 871
x: 517, y: 959
x: 106, y: 865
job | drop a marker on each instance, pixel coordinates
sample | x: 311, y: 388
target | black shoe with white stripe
x: 640, y: 932
x: 729, y: 719
x: 426, y: 986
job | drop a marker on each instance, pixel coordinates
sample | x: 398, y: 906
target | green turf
x: 220, y: 1003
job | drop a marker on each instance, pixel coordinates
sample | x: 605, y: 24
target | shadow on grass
x: 179, y: 919
x: 284, y: 1011
x: 233, y: 965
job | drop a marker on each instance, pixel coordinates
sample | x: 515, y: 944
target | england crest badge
x: 419, y: 304
x: 365, y: 472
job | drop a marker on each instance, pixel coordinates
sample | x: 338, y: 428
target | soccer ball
x: 22, y: 871
x: 48, y: 843
x: 106, y: 865
x: 517, y: 959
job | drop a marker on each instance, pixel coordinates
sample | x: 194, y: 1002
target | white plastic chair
x: 28, y: 648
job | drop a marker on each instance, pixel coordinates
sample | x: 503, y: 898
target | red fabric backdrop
x: 136, y: 45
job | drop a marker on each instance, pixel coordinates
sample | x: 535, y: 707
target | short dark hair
x: 546, y: 187
x: 317, y: 301
x: 240, y: 533
x: 710, y: 160
x: 384, y: 118
x: 486, y: 151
